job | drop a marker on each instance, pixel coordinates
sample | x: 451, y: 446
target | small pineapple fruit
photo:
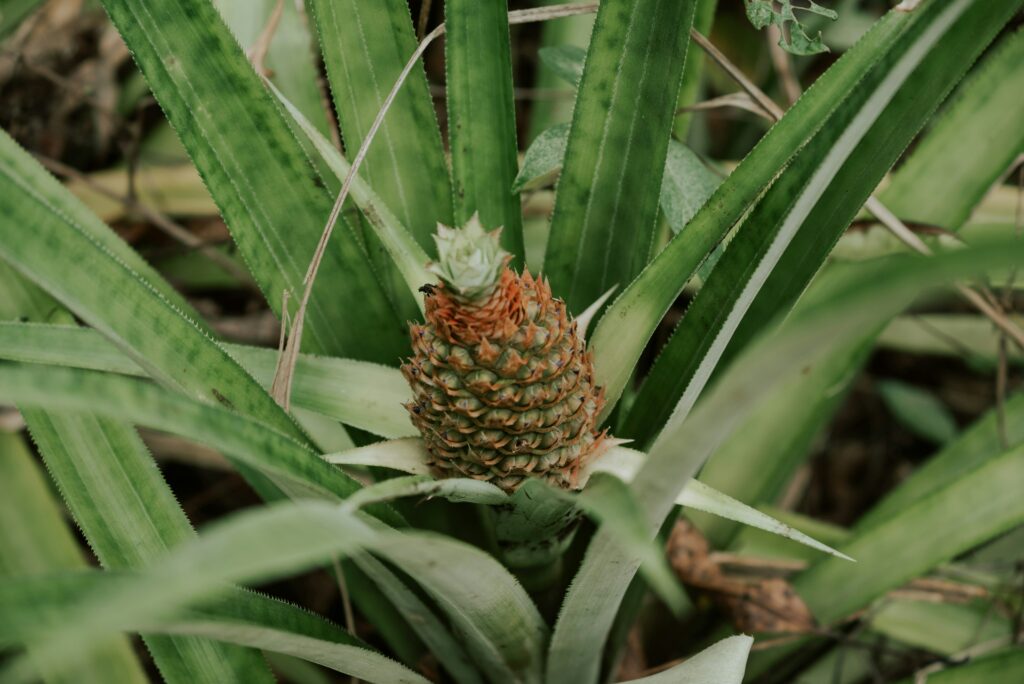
x: 503, y: 385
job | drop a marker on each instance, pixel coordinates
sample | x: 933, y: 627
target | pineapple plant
x: 457, y: 477
x: 503, y: 385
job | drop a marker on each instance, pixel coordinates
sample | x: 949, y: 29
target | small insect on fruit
x: 503, y: 384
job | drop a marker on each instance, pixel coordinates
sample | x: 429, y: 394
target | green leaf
x: 365, y: 47
x: 405, y: 253
x: 130, y: 517
x: 722, y: 663
x: 967, y: 336
x: 241, y: 617
x: 543, y: 159
x: 142, y: 403
x: 625, y: 463
x: 693, y: 70
x: 974, y: 447
x: 1007, y: 665
x: 33, y: 540
x: 268, y: 192
x: 565, y: 61
x: 449, y: 650
x: 778, y: 436
x: 788, y: 235
x: 966, y: 512
x: 573, y: 31
x: 972, y: 143
x: 685, y: 186
x: 793, y: 37
x: 290, y: 59
x: 602, y: 230
x: 871, y: 295
x: 13, y: 12
x: 945, y: 628
x: 361, y: 394
x: 499, y: 622
x: 482, y: 117
x: 457, y: 489
x: 919, y: 410
x: 625, y: 329
x: 64, y: 255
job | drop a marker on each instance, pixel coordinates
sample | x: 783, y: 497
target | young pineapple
x: 502, y: 383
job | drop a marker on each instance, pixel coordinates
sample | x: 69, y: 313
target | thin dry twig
x: 259, y: 49
x: 991, y: 309
x: 346, y: 602
x: 783, y: 64
x: 174, y: 230
x: 738, y: 100
x: 281, y: 388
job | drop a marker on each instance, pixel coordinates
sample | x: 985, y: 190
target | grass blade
x: 602, y: 230
x: 953, y: 519
x: 266, y: 188
x: 35, y: 540
x: 482, y: 117
x: 971, y: 145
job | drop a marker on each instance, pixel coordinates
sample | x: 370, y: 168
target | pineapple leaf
x: 234, y: 131
x: 602, y: 229
x: 482, y: 118
x: 565, y: 61
x: 722, y: 663
x: 499, y: 622
x: 625, y: 329
x: 357, y: 393
x: 864, y: 299
x: 365, y: 47
x: 970, y: 145
x: 407, y: 255
x: 792, y: 228
x: 35, y: 540
x: 82, y: 263
x: 624, y: 463
x: 777, y: 438
x: 239, y: 617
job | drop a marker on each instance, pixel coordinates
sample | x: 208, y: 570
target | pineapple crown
x: 470, y: 259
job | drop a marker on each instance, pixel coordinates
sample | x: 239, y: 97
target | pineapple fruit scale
x: 503, y: 386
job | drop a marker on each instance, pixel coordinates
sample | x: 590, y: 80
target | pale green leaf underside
x: 34, y: 539
x: 497, y: 619
x: 867, y: 297
x: 357, y: 393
